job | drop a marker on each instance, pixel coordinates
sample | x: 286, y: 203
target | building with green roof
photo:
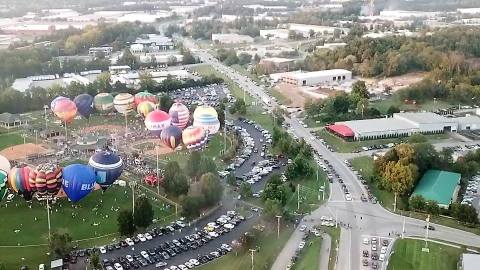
x: 439, y: 186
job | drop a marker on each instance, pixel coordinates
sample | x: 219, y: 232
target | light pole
x: 36, y: 136
x: 132, y: 185
x: 322, y: 189
x: 403, y: 227
x: 48, y: 220
x: 278, y: 226
x: 252, y: 251
x: 298, y: 197
x: 45, y: 107
x: 158, y: 176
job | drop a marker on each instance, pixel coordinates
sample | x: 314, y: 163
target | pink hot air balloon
x: 156, y: 121
x: 194, y: 137
x: 179, y: 114
x: 65, y: 109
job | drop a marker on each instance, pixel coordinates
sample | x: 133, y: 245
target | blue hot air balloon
x: 84, y: 104
x: 107, y: 166
x: 78, y: 181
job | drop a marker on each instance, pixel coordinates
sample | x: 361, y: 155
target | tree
x: 128, y: 59
x: 177, y: 184
x: 126, y: 226
x: 191, y: 206
x: 245, y: 190
x: 272, y: 208
x: 244, y: 58
x: 165, y: 102
x: 146, y: 81
x: 238, y: 107
x: 143, y: 215
x: 417, y: 203
x: 392, y: 109
x: 399, y: 178
x: 432, y: 207
x: 188, y: 58
x: 95, y: 260
x: 359, y: 89
x: 231, y: 179
x: 207, y: 165
x: 60, y: 245
x: 417, y: 138
x: 193, y: 165
x: 212, y: 189
x: 274, y: 190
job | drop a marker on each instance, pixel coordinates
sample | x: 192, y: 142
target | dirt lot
x: 396, y: 82
x: 110, y: 128
x: 292, y: 93
x: 147, y: 147
x: 21, y: 151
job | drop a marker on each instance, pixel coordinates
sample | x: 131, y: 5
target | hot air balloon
x: 179, y: 114
x: 84, y: 104
x: 103, y: 102
x: 55, y: 101
x: 4, y: 164
x: 145, y: 96
x: 145, y: 107
x: 207, y: 118
x: 3, y: 184
x: 46, y: 179
x: 123, y: 103
x: 18, y: 181
x: 78, y: 181
x: 156, y: 121
x: 65, y: 109
x: 194, y: 137
x: 171, y: 137
x: 107, y: 166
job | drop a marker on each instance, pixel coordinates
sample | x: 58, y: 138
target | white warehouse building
x: 318, y: 77
x: 402, y: 125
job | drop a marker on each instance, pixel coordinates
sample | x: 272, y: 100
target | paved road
x: 365, y: 219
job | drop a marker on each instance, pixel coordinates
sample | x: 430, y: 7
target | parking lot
x: 208, y: 95
x: 472, y: 193
x: 375, y: 251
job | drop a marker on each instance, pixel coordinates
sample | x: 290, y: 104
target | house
x: 8, y: 120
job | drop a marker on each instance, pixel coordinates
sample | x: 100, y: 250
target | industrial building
x: 276, y: 64
x: 106, y: 51
x: 318, y: 77
x: 231, y: 38
x: 306, y: 29
x: 439, y: 186
x: 402, y: 125
x: 152, y: 43
x: 274, y: 33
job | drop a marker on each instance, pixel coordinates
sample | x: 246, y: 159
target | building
x: 439, y: 186
x: 318, y: 77
x: 231, y: 38
x: 119, y: 69
x: 331, y: 46
x: 96, y: 51
x: 276, y: 64
x: 469, y: 262
x: 306, y: 29
x: 274, y: 33
x: 153, y: 43
x: 400, y: 125
x: 8, y: 120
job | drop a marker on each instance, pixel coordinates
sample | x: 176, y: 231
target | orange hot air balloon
x: 65, y: 109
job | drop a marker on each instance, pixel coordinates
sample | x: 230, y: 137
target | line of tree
x: 128, y: 221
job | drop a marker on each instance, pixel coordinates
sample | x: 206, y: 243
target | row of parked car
x: 372, y: 253
x: 160, y: 254
x: 471, y: 191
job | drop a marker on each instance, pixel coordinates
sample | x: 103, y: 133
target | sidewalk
x: 324, y: 257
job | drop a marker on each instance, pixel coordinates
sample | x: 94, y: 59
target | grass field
x: 394, y: 100
x: 343, y: 146
x: 10, y: 139
x: 408, y: 255
x: 269, y: 248
x: 280, y: 97
x: 92, y: 217
x: 308, y: 259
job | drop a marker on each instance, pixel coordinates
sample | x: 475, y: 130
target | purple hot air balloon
x: 84, y: 104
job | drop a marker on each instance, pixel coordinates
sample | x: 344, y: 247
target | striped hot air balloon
x: 145, y: 96
x: 194, y: 137
x: 18, y: 181
x: 123, y: 103
x: 145, y: 107
x: 103, y: 102
x: 206, y: 117
x: 156, y: 121
x: 171, y: 137
x: 46, y: 179
x: 179, y: 114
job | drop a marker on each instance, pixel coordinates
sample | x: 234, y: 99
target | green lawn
x: 269, y: 248
x: 408, y: 255
x: 94, y: 216
x: 343, y: 146
x: 280, y: 97
x: 10, y: 139
x: 308, y: 259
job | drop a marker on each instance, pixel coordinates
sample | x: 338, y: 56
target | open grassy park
x: 408, y: 255
x: 10, y: 139
x: 308, y: 258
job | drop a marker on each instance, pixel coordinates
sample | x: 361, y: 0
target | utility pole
x: 36, y: 136
x: 158, y: 176
x: 336, y: 218
x: 252, y: 251
x: 48, y: 220
x: 403, y: 227
x: 278, y: 226
x: 298, y: 197
x: 425, y: 249
x: 224, y: 132
x: 45, y: 107
x: 395, y: 203
x: 132, y: 185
